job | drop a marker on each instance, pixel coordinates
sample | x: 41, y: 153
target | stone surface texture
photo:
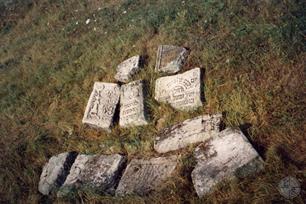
x: 55, y: 171
x: 198, y: 129
x: 101, y: 105
x: 143, y: 176
x: 181, y: 91
x: 170, y: 58
x: 132, y: 109
x: 127, y: 68
x: 97, y: 172
x: 223, y: 157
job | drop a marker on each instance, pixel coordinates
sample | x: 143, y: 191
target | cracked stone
x: 128, y: 68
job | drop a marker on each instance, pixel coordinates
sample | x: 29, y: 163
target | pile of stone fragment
x: 221, y: 154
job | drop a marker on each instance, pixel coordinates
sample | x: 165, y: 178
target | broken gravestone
x: 143, y: 176
x: 99, y: 173
x: 101, y: 105
x: 132, y: 110
x: 170, y: 58
x: 127, y: 68
x: 55, y: 171
x: 181, y: 91
x: 223, y: 157
x: 190, y: 131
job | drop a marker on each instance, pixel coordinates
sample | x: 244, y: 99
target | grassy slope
x: 254, y: 60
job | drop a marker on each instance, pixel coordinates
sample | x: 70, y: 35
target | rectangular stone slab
x: 101, y: 105
x: 127, y: 68
x: 132, y: 110
x: 97, y: 172
x: 181, y: 91
x: 198, y: 129
x: 170, y: 58
x: 143, y: 176
x: 223, y: 157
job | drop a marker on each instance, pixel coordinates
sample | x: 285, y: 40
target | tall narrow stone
x: 143, y: 176
x: 181, y: 91
x: 190, y: 131
x: 223, y: 157
x: 132, y: 109
x: 127, y: 68
x: 101, y: 105
x: 170, y: 58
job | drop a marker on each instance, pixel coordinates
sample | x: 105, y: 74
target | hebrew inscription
x: 128, y: 68
x: 181, y: 91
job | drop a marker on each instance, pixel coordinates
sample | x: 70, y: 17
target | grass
x: 253, y: 53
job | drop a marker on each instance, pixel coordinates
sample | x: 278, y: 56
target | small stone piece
x: 101, y: 105
x: 181, y: 91
x: 190, y: 131
x: 132, y: 111
x: 97, y: 172
x: 127, y: 68
x: 170, y: 58
x: 55, y: 171
x: 223, y: 157
x: 143, y: 176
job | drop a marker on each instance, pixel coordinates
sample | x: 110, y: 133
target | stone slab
x: 132, y: 109
x: 198, y: 129
x: 127, y: 68
x: 96, y: 172
x: 228, y: 155
x: 55, y: 171
x: 143, y: 176
x: 181, y: 91
x: 170, y: 58
x: 101, y: 105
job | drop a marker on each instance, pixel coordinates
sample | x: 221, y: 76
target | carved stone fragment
x: 223, y: 157
x: 101, y: 105
x: 190, y: 131
x: 181, y: 91
x: 170, y: 58
x: 143, y: 176
x: 132, y: 110
x: 127, y: 68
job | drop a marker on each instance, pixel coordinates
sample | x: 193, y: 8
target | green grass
x: 254, y: 60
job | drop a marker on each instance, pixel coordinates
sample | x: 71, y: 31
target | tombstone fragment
x: 143, y: 176
x: 127, y: 68
x: 190, y: 131
x: 223, y: 157
x: 170, y: 58
x: 55, y: 171
x: 132, y: 111
x: 101, y: 105
x: 96, y: 172
x: 181, y: 91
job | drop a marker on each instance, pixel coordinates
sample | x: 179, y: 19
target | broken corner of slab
x: 128, y: 68
x: 226, y: 156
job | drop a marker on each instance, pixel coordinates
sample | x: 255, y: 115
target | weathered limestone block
x: 223, y: 157
x: 97, y: 172
x: 55, y: 171
x: 170, y: 58
x: 101, y: 105
x: 190, y: 131
x: 127, y: 68
x: 181, y: 91
x: 132, y: 110
x: 143, y: 176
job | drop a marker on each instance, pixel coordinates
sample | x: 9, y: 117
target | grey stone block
x: 127, y: 68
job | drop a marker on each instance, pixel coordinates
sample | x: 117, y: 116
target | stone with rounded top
x: 128, y: 68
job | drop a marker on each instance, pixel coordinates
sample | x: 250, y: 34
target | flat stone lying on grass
x: 143, y: 176
x: 101, y: 105
x: 170, y: 58
x: 190, y: 131
x: 55, y: 171
x: 96, y: 172
x: 132, y: 110
x: 181, y: 91
x: 127, y: 68
x: 223, y: 157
